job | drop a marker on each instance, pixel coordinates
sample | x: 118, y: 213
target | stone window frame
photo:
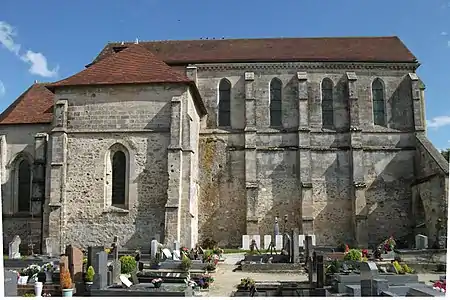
x: 383, y: 112
x: 327, y: 102
x: 219, y: 101
x: 129, y: 187
x: 272, y: 109
x: 14, y: 179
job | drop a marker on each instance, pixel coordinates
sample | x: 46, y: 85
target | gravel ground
x: 225, y: 280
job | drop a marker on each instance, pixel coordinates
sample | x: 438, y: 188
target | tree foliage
x: 446, y: 153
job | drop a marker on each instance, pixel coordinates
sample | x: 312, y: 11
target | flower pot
x: 88, y: 286
x: 67, y: 292
x: 48, y: 277
x: 22, y: 280
x: 38, y: 288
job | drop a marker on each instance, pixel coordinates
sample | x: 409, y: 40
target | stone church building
x: 187, y: 140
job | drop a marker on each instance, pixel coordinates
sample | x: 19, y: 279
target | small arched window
x: 117, y: 176
x: 224, y: 103
x: 378, y: 102
x: 275, y: 103
x: 23, y: 186
x: 327, y: 103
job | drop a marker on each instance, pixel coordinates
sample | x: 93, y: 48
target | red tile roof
x: 34, y: 106
x: 131, y: 66
x: 335, y: 49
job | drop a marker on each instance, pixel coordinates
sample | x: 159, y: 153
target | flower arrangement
x: 46, y: 295
x: 128, y: 264
x: 247, y: 283
x: 48, y: 267
x: 31, y: 270
x: 90, y: 273
x: 389, y: 244
x: 205, y: 280
x: 365, y: 253
x: 65, y: 279
x: 108, y: 250
x: 353, y: 255
x: 440, y: 286
x: 157, y: 282
x: 218, y: 251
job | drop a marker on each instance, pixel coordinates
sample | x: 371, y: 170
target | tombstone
x: 176, y: 245
x: 421, y: 242
x: 134, y: 277
x: 176, y: 255
x: 320, y: 271
x: 101, y: 270
x: 48, y: 247
x: 267, y: 241
x: 75, y: 256
x: 10, y: 284
x: 14, y: 245
x: 91, y: 256
x: 166, y: 253
x: 295, y: 245
x: 368, y: 270
x: 279, y: 242
x: 116, y: 264
x: 308, y: 246
x: 301, y: 240
x: 154, y: 245
x: 246, y: 242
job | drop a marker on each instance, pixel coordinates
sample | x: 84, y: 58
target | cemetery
x: 175, y: 271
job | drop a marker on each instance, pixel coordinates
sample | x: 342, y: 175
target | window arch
x: 224, y: 103
x: 327, y: 103
x: 275, y: 102
x: 378, y: 102
x: 117, y: 176
x: 23, y: 187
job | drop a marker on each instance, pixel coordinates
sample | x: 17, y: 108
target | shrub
x: 128, y: 264
x: 90, y: 274
x: 353, y: 255
x: 29, y: 295
x: 186, y: 263
x: 65, y: 279
x: 334, y: 267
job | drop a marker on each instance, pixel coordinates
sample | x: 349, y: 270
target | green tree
x: 446, y: 153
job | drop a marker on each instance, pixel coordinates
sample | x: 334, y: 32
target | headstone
x: 301, y: 240
x: 320, y: 271
x: 176, y: 245
x: 125, y: 281
x: 176, y: 255
x: 167, y: 253
x: 154, y: 248
x: 14, y: 252
x: 257, y: 239
x: 10, y: 284
x: 421, y: 241
x: 308, y: 246
x: 368, y: 270
x: 75, y: 263
x: 92, y: 254
x: 101, y: 269
x: 134, y: 277
x: 295, y: 251
x: 267, y: 241
x: 116, y: 271
x: 279, y: 242
x: 246, y: 242
x: 49, y: 247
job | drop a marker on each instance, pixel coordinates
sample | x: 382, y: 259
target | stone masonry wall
x: 17, y: 139
x: 138, y: 118
x: 387, y: 167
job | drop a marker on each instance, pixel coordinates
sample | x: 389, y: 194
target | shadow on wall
x: 389, y: 195
x: 401, y: 107
x: 222, y: 202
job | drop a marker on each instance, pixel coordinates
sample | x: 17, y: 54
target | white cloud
x: 444, y: 33
x: 439, y: 122
x: 2, y: 89
x: 37, y: 61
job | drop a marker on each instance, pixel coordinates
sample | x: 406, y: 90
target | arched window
x: 117, y: 176
x: 327, y: 103
x: 378, y: 102
x: 23, y: 186
x: 275, y: 103
x: 224, y: 103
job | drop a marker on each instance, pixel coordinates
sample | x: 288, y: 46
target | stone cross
x: 116, y: 264
x: 154, y: 248
x: 49, y: 247
x: 14, y: 248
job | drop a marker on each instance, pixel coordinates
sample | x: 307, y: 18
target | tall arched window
x: 23, y: 186
x: 275, y: 103
x: 378, y: 102
x: 327, y: 103
x: 224, y: 103
x: 117, y: 176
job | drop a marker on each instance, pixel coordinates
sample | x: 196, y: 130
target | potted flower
x: 205, y: 280
x: 157, y: 282
x: 186, y: 263
x: 89, y: 278
x: 127, y: 263
x: 66, y: 283
x: 29, y: 274
x: 48, y: 269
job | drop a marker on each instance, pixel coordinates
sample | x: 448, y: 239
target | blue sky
x: 47, y: 40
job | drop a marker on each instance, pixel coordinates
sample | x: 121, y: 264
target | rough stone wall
x: 387, y: 167
x: 138, y: 117
x: 16, y: 140
x: 431, y: 186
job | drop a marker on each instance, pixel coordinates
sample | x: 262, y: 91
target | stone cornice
x: 308, y: 66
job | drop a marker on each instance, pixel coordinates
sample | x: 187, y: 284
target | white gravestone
x: 245, y: 242
x: 279, y: 242
x: 267, y: 241
x: 14, y: 248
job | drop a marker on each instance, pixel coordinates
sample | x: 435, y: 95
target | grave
x: 421, y: 242
x: 14, y: 245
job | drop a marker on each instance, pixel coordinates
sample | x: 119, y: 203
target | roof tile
x: 34, y: 106
x: 131, y: 66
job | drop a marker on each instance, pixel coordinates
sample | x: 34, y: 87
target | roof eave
x: 198, y: 98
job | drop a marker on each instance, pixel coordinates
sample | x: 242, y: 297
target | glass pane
x: 275, y: 118
x: 378, y: 106
x: 378, y: 118
x: 118, y: 178
x: 327, y: 94
x: 224, y: 105
x: 327, y: 105
x: 24, y: 187
x: 224, y: 118
x: 275, y: 105
x: 327, y: 118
